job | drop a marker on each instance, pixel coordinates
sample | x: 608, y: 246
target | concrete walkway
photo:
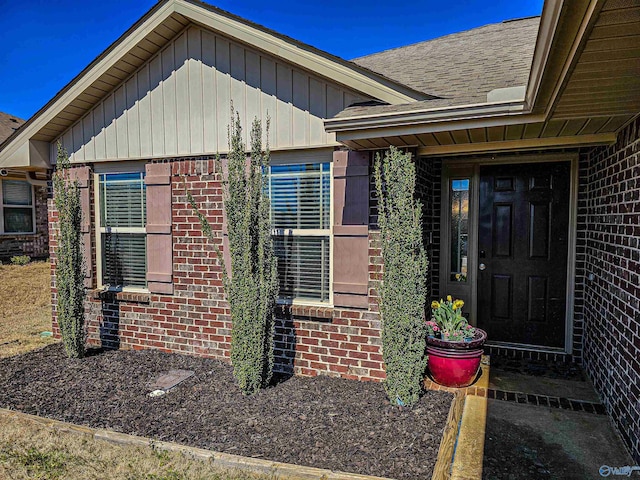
x: 551, y: 442
x: 543, y: 427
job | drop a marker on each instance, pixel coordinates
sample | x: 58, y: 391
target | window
x: 18, y: 209
x: 459, y: 195
x: 301, y: 217
x: 122, y: 233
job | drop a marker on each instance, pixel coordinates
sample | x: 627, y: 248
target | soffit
x: 605, y: 77
x: 513, y: 133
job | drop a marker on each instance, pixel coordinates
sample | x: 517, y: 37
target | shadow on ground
x: 525, y: 441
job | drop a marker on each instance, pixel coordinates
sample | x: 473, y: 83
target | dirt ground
x: 322, y: 422
x: 25, y: 307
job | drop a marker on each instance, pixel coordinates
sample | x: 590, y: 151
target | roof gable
x: 143, y: 40
x: 179, y: 103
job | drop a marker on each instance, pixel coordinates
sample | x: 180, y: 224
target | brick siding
x: 608, y: 306
x: 196, y: 320
x: 428, y: 190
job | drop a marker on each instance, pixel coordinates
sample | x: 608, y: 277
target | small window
x: 18, y: 210
x: 459, y: 194
x: 301, y: 216
x: 123, y: 239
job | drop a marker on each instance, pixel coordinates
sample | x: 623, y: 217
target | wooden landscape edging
x: 461, y: 450
x: 442, y: 468
x: 223, y: 460
x: 459, y: 418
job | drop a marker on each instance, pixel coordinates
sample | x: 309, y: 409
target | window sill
x: 120, y: 296
x: 315, y: 312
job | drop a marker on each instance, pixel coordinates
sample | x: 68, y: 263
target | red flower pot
x: 455, y: 364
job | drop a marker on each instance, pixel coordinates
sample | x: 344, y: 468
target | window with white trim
x: 301, y: 217
x: 122, y: 229
x: 18, y: 207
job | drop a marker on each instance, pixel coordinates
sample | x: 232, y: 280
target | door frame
x: 456, y: 167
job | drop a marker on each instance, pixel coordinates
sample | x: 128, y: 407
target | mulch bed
x: 321, y: 422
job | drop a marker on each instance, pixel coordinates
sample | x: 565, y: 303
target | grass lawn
x: 32, y: 451
x: 25, y: 307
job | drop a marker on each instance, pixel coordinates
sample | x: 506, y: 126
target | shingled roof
x: 8, y: 124
x: 465, y: 66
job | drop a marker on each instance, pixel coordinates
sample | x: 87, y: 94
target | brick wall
x: 428, y: 190
x: 35, y: 245
x: 195, y: 319
x: 608, y: 306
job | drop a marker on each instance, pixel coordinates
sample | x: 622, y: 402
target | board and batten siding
x: 178, y: 103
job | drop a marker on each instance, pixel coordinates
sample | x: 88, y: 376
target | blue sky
x: 45, y: 43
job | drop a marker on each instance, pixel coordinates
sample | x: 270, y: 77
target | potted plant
x: 454, y: 347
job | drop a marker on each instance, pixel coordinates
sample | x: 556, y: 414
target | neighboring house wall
x: 179, y: 103
x: 195, y: 318
x: 33, y: 245
x: 609, y: 304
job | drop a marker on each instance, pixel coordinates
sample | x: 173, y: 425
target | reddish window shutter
x: 82, y: 175
x: 159, y: 238
x: 351, y: 229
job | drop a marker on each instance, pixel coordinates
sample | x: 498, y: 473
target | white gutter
x: 427, y: 115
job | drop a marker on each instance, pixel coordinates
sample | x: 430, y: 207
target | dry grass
x: 32, y: 451
x: 25, y: 307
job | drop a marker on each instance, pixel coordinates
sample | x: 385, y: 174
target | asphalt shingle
x: 8, y: 125
x: 463, y: 66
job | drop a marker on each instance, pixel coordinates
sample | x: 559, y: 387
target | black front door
x: 522, y: 252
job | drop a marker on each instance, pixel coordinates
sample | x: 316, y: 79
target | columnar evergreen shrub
x: 69, y: 261
x: 252, y: 289
x: 403, y: 290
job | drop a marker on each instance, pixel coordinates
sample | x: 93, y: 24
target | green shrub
x: 403, y: 290
x: 252, y: 289
x: 69, y: 262
x: 20, y: 260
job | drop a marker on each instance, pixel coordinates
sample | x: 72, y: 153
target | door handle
x: 482, y: 266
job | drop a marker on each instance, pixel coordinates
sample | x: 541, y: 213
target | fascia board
x: 18, y: 158
x: 553, y: 62
x: 588, y: 21
x: 350, y: 77
x: 546, y: 33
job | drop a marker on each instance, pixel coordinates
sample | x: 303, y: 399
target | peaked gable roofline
x: 19, y: 149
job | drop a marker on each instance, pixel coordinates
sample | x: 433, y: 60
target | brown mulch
x: 322, y: 422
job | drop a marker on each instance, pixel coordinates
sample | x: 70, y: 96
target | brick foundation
x: 608, y: 304
x: 195, y: 319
